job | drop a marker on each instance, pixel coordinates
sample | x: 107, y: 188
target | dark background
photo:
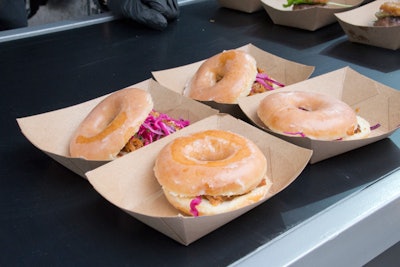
x: 51, y: 216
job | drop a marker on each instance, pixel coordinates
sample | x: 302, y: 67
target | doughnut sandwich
x: 211, y: 172
x: 121, y: 123
x: 227, y: 76
x: 313, y: 115
x: 388, y: 14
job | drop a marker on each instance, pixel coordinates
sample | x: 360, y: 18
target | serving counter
x: 343, y: 211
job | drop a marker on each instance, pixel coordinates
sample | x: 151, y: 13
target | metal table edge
x: 32, y: 31
x: 349, y: 225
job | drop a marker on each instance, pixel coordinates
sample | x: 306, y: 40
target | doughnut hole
x: 214, y: 150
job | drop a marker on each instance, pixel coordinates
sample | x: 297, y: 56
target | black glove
x: 34, y: 6
x: 152, y: 13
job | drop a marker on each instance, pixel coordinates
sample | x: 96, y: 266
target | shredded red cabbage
x: 158, y: 125
x: 376, y: 126
x: 296, y: 133
x: 263, y: 83
x: 265, y: 80
x: 195, y: 201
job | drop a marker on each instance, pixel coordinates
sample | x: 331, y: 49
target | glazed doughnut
x: 108, y: 127
x: 223, y: 78
x: 309, y: 114
x: 213, y: 165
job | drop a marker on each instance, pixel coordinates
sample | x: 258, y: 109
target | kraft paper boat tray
x: 247, y: 6
x: 129, y: 182
x: 282, y: 70
x: 51, y: 132
x: 358, y: 26
x: 310, y: 19
x: 375, y: 102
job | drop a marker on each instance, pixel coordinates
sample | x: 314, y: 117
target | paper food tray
x: 51, y: 132
x: 310, y: 19
x: 247, y: 6
x: 375, y: 102
x: 358, y: 26
x: 282, y: 70
x: 129, y: 182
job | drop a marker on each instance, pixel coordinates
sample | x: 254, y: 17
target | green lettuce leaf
x: 297, y: 2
